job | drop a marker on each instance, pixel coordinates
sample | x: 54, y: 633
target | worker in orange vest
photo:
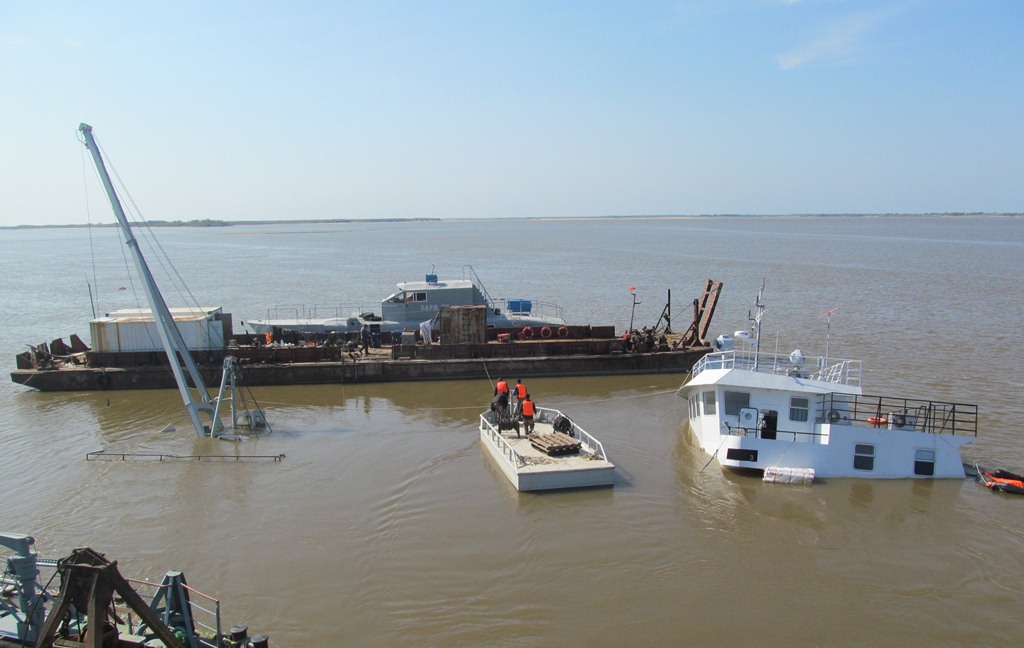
x: 501, y: 387
x: 501, y: 392
x: 528, y: 410
x: 519, y: 391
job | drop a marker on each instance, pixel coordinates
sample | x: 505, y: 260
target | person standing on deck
x: 519, y: 391
x: 364, y: 337
x: 528, y: 410
x: 501, y: 391
x: 500, y: 387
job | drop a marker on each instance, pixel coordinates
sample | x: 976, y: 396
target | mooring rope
x: 477, y: 407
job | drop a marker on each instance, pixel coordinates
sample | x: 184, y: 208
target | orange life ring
x: 527, y: 332
x: 563, y: 331
x: 877, y: 420
x: 545, y: 332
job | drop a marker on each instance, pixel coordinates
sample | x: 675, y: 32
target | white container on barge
x: 133, y: 329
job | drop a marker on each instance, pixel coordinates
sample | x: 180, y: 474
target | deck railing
x: 884, y: 412
x: 492, y: 432
x: 889, y: 412
x: 833, y: 370
x: 540, y: 309
x: 798, y: 436
x: 204, y: 611
x: 307, y: 314
x: 595, y: 446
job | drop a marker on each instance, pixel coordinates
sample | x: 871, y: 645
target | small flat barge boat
x: 558, y: 454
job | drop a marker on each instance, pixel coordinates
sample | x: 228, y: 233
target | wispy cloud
x: 837, y: 43
x: 14, y: 40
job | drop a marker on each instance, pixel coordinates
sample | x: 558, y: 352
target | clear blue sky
x: 269, y: 110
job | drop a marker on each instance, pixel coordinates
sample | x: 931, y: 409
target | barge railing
x: 494, y: 434
x: 307, y: 314
x: 536, y: 308
x: 207, y: 622
x: 595, y: 446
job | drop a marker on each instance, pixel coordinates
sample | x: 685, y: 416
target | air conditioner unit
x: 902, y: 421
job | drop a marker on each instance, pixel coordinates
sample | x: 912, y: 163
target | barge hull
x: 365, y: 370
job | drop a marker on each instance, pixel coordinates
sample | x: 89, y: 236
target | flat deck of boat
x: 531, y: 469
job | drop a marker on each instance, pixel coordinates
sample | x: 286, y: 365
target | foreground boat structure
x: 558, y: 455
x: 96, y: 606
x: 795, y: 419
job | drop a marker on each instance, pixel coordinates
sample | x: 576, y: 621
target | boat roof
x: 754, y: 370
x: 435, y: 285
x: 185, y: 310
x: 747, y: 379
x: 146, y: 315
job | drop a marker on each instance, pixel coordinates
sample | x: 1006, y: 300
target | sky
x: 255, y: 110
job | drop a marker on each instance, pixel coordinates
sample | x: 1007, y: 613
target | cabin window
x: 694, y: 406
x: 709, y: 403
x: 864, y: 456
x: 735, y: 401
x: 924, y: 463
x: 798, y: 408
x: 421, y: 296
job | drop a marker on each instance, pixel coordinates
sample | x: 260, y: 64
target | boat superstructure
x: 416, y: 302
x: 790, y: 414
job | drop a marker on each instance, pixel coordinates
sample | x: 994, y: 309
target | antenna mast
x: 756, y: 319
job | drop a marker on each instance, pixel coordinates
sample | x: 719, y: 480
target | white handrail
x: 846, y: 372
x: 507, y: 452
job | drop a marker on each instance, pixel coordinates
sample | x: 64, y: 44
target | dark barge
x: 464, y: 353
x: 264, y: 365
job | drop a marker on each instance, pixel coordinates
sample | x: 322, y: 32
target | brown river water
x: 386, y: 523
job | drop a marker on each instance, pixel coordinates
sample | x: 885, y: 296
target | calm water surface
x: 386, y: 524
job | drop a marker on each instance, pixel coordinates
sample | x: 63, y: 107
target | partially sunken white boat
x: 795, y: 419
x: 559, y: 454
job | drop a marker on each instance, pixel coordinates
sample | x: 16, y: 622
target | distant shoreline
x: 330, y: 221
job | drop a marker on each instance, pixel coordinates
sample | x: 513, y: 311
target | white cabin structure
x: 770, y: 413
